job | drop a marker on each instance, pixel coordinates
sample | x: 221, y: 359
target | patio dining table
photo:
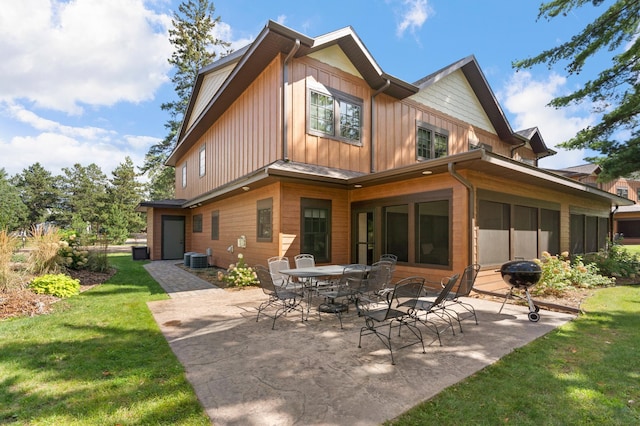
x: 306, y: 276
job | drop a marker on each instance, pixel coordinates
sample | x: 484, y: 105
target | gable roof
x: 474, y: 75
x: 247, y: 63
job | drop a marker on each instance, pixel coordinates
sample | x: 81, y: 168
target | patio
x: 313, y: 372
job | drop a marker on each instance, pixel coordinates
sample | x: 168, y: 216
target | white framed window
x: 622, y: 191
x: 184, y: 175
x: 334, y: 114
x: 431, y: 142
x: 202, y: 164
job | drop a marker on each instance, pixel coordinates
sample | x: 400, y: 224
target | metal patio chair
x: 284, y: 300
x: 380, y: 316
x: 423, y: 307
x: 276, y: 264
x: 465, y: 286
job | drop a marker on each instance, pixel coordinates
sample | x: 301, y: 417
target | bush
x: 616, y: 261
x: 58, y: 285
x: 240, y: 275
x: 559, y: 274
x: 72, y: 255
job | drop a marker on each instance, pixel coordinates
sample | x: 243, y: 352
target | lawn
x: 586, y: 372
x: 98, y: 359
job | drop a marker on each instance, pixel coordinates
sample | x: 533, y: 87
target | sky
x: 82, y: 81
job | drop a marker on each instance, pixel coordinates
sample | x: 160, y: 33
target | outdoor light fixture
x: 245, y: 188
x: 427, y: 172
x: 357, y: 185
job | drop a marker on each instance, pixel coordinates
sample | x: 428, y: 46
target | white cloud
x: 67, y: 55
x: 414, y: 15
x: 526, y: 99
x: 56, y: 146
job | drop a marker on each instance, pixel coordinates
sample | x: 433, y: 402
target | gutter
x: 472, y: 200
x: 373, y: 139
x: 611, y: 222
x: 517, y: 147
x: 285, y: 85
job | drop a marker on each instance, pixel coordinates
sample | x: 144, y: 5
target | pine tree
x: 615, y: 92
x: 124, y: 194
x: 39, y: 191
x: 194, y: 47
x: 13, y: 212
x: 84, y: 196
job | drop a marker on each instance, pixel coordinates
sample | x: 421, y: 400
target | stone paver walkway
x: 177, y: 282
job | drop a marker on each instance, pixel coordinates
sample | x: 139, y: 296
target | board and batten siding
x: 210, y: 85
x: 245, y: 138
x: 318, y: 150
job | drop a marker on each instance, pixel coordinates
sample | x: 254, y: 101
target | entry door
x: 172, y: 237
x: 364, y: 237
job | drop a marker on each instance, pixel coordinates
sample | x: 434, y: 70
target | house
x: 296, y: 144
x: 626, y: 218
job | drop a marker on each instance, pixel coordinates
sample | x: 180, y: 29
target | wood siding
x: 245, y: 138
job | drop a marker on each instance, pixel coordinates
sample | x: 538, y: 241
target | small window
x: 184, y: 175
x: 431, y: 142
x: 622, y: 191
x: 197, y: 223
x: 215, y: 225
x: 638, y: 195
x: 202, y: 164
x: 265, y: 220
x: 335, y: 114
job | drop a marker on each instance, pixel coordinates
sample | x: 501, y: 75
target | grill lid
x: 521, y: 273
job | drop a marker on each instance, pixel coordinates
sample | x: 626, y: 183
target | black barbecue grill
x: 522, y: 274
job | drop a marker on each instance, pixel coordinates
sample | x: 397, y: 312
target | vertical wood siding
x: 245, y: 138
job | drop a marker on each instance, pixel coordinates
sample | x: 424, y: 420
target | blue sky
x: 81, y: 81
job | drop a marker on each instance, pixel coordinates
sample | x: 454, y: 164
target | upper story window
x: 431, y: 142
x: 202, y: 165
x: 622, y: 191
x: 335, y: 114
x: 184, y: 175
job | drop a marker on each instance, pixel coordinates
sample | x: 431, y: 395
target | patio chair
x: 390, y: 258
x: 276, y: 264
x: 284, y: 300
x: 426, y: 306
x: 467, y: 281
x: 304, y: 260
x: 348, y: 287
x: 378, y: 279
x: 380, y: 316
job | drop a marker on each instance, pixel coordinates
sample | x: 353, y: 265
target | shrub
x: 71, y: 254
x: 616, y: 261
x: 559, y: 274
x: 239, y: 274
x: 58, y: 285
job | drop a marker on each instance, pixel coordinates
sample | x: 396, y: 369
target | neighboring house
x: 304, y: 145
x: 626, y: 218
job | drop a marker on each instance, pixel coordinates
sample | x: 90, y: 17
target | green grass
x: 634, y: 249
x: 586, y: 372
x: 99, y: 359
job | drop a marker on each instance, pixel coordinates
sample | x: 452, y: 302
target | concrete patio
x: 313, y: 372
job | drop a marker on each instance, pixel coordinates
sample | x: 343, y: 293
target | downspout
x: 285, y: 104
x: 611, y: 222
x: 472, y: 200
x: 517, y: 147
x: 373, y: 133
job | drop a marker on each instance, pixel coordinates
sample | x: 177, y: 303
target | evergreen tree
x: 124, y: 194
x: 615, y: 91
x: 194, y: 43
x: 13, y: 212
x: 39, y: 192
x: 84, y: 196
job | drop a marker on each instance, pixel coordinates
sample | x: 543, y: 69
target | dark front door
x: 172, y: 237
